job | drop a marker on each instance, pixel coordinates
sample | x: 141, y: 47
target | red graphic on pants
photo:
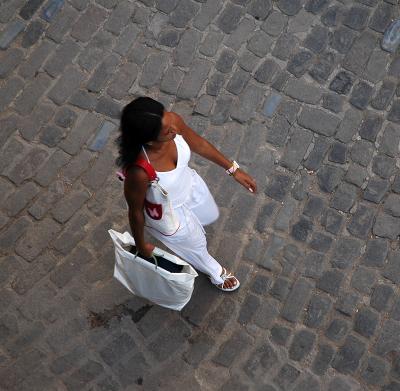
x: 154, y: 211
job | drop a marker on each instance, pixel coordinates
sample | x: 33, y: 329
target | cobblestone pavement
x: 301, y: 94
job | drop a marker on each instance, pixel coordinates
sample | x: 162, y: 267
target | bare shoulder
x: 136, y: 175
x: 177, y: 120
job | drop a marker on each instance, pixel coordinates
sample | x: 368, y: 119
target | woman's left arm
x: 205, y: 149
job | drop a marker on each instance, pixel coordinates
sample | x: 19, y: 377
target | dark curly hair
x: 140, y: 124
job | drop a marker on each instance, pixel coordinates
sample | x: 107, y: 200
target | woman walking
x: 165, y: 141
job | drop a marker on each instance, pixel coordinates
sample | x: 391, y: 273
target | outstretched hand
x: 245, y: 180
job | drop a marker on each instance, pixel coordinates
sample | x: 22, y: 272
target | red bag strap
x: 151, y: 173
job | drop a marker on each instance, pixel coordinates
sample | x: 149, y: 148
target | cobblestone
x: 317, y: 310
x: 363, y: 279
x: 318, y: 121
x: 305, y: 97
x: 365, y: 322
x: 296, y: 300
x: 337, y: 329
x: 348, y: 357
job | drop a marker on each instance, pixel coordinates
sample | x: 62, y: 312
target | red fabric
x: 151, y: 173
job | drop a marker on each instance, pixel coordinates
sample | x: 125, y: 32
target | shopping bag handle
x: 152, y: 255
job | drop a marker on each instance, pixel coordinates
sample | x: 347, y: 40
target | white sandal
x: 225, y: 277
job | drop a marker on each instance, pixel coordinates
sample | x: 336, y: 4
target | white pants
x: 189, y: 242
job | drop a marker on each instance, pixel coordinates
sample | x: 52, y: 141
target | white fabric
x: 178, y: 181
x: 158, y: 211
x: 195, y: 210
x: 142, y: 278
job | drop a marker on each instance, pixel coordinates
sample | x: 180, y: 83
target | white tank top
x: 177, y: 182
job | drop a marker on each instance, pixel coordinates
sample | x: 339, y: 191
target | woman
x: 149, y: 132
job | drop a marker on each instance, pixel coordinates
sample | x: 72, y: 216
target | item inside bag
x: 162, y: 262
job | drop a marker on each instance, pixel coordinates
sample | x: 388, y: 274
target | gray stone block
x: 226, y: 61
x: 376, y: 252
x: 183, y: 13
x: 347, y: 359
x: 381, y: 297
x: 62, y: 23
x: 342, y: 83
x: 358, y: 56
x: 240, y: 34
x: 62, y: 57
x: 126, y: 39
x: 194, y: 79
x: 366, y: 321
x: 317, y: 154
x: 301, y: 90
x: 51, y: 135
x: 300, y: 63
x: 296, y: 148
x: 323, y: 359
x: 68, y: 83
x: 337, y: 329
x: 363, y: 280
x: 332, y: 221
x: 32, y: 34
x: 318, y: 121
x: 317, y: 39
x: 361, y: 95
x: 260, y: 43
x: 330, y: 282
x: 275, y: 23
x: 9, y: 61
x: 323, y: 67
x: 389, y: 337
x: 361, y: 222
x: 384, y: 166
x: 375, y: 371
x: 36, y: 239
x: 9, y: 90
x: 228, y: 351
x: 376, y: 190
x: 302, y: 343
x: 290, y: 7
x: 18, y: 200
x: 30, y: 96
x: 285, y: 46
x: 208, y: 12
x: 80, y: 133
x: 338, y: 153
x: 390, y: 141
x: 10, y: 33
x: 344, y: 198
x: 123, y: 81
x: 266, y: 71
x: 361, y: 152
x: 329, y: 177
x: 392, y: 268
x: 317, y: 310
x: 288, y: 374
x: 88, y: 23
x: 384, y: 96
x: 119, y: 17
x: 357, y: 17
x: 247, y: 103
x: 185, y: 51
x: 229, y: 18
x: 298, y: 297
x: 68, y: 205
x: 107, y: 68
x: 347, y: 303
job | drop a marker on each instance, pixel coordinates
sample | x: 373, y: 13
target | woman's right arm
x: 135, y: 187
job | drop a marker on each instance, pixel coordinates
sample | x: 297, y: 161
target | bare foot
x: 230, y: 282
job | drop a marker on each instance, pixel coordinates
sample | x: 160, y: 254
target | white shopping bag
x: 142, y: 278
